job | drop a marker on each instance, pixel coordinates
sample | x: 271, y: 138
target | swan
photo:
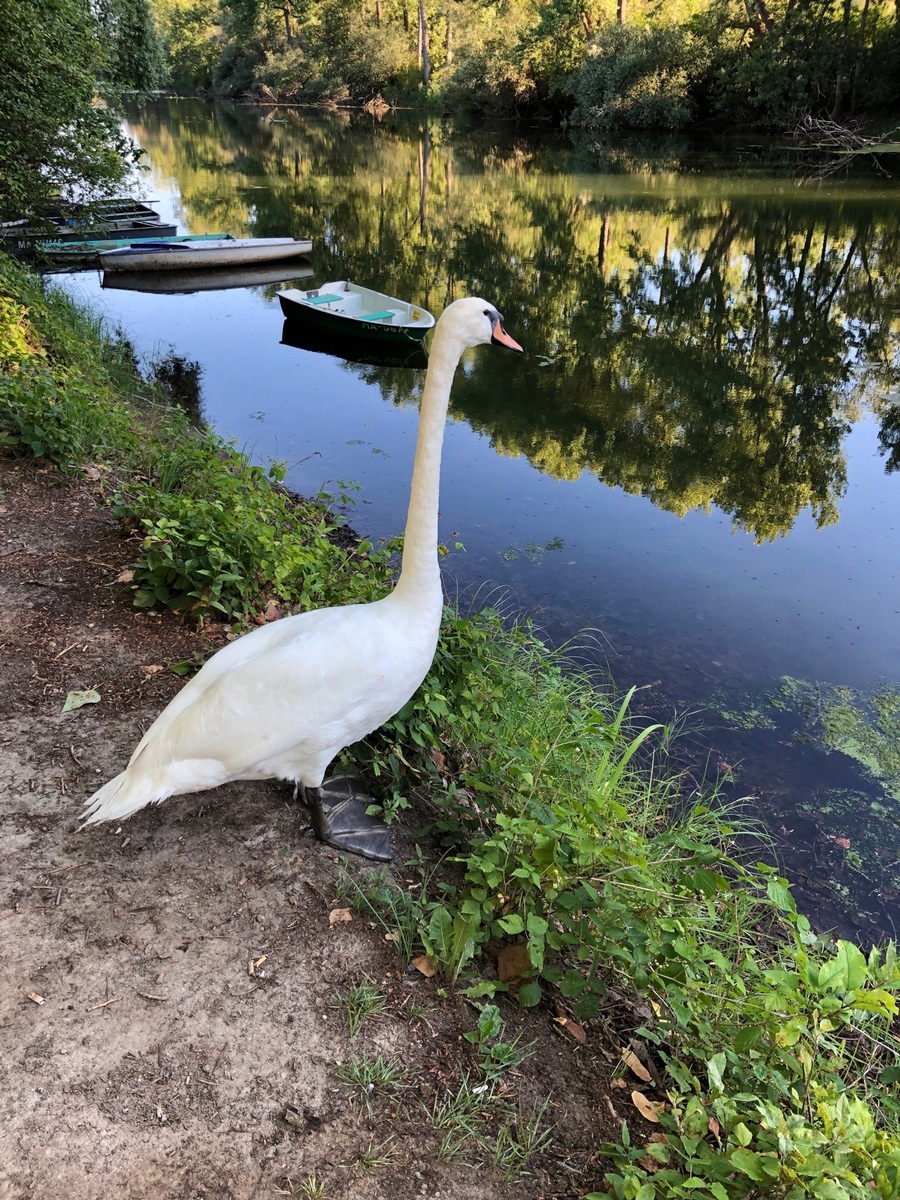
x: 283, y: 700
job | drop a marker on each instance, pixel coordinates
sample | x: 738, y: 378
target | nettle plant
x: 220, y: 535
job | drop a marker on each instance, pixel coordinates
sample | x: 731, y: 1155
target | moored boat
x: 344, y: 308
x: 117, y: 218
x: 163, y: 255
x: 85, y: 253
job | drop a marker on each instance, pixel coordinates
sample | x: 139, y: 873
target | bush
x: 636, y: 77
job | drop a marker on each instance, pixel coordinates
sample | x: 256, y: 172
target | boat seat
x: 378, y: 316
x: 323, y: 299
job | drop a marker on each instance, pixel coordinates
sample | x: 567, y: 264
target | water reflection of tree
x: 711, y: 346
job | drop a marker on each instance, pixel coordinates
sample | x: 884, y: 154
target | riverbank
x: 205, y: 1001
x: 170, y: 1012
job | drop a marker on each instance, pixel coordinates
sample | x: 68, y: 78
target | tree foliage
x: 638, y: 77
x: 602, y: 63
x: 56, y: 58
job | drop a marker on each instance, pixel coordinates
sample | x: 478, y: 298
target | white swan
x: 283, y: 700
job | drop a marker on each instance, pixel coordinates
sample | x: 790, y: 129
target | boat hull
x: 345, y: 310
x: 86, y: 253
x: 183, y: 256
x: 402, y: 353
x: 119, y: 218
x: 174, y: 282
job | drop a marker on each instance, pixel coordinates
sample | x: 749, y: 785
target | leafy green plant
x: 220, y: 536
x: 495, y: 1056
x: 770, y: 1113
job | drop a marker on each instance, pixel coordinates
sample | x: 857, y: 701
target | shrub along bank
x: 567, y: 833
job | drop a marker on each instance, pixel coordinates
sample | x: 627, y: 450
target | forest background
x: 599, y: 63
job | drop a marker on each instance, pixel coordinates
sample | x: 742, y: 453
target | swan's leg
x: 339, y: 818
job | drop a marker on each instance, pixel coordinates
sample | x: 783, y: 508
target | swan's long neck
x: 420, y: 573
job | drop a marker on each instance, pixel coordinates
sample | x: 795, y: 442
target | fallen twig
x: 28, y: 908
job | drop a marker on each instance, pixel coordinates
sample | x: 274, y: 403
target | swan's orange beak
x: 500, y: 337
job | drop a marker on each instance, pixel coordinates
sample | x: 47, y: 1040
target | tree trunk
x: 860, y: 51
x: 377, y: 12
x: 620, y: 12
x: 424, y: 171
x: 448, y: 40
x: 288, y: 26
x: 424, y: 57
x: 603, y: 245
x: 838, y: 106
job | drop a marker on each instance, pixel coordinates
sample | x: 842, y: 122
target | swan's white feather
x: 283, y: 700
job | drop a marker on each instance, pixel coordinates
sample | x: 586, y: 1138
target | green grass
x: 360, y: 1001
x: 377, y: 1154
x: 372, y: 1078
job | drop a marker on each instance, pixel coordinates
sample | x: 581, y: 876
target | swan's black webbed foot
x: 339, y: 818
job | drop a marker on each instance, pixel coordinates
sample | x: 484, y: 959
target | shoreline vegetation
x: 563, y: 839
x: 814, y: 69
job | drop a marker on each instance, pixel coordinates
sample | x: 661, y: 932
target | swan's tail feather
x: 121, y: 797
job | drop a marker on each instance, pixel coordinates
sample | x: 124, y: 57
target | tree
x: 54, y: 137
x: 193, y: 40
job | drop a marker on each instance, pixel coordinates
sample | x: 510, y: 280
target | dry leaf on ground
x: 572, y: 1028
x: 649, y: 1109
x: 631, y: 1060
x: 513, y: 962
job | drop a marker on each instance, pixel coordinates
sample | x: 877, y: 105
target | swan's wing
x: 253, y: 646
x: 327, y: 684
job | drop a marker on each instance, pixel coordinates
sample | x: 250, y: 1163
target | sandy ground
x: 167, y: 1018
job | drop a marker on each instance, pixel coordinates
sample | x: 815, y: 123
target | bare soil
x: 167, y: 1018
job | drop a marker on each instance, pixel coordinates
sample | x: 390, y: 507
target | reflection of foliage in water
x: 864, y: 727
x: 180, y: 377
x: 836, y: 719
x: 889, y: 436
x: 713, y: 337
x: 844, y: 831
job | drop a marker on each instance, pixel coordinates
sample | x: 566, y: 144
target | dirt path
x: 167, y: 1017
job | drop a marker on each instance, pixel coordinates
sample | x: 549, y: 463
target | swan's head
x: 474, y: 322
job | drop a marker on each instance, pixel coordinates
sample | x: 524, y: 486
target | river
x: 692, y: 460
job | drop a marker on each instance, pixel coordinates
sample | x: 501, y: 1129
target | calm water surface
x: 692, y: 459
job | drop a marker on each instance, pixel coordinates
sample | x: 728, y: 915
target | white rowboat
x: 346, y: 309
x: 188, y: 254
